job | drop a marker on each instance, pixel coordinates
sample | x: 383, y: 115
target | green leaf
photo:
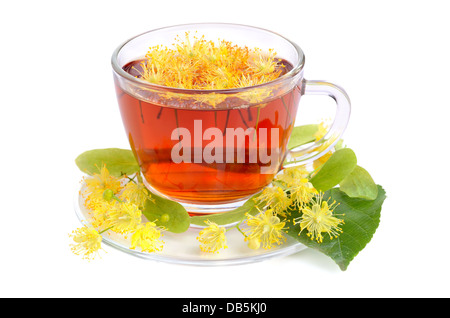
x: 232, y: 216
x: 167, y: 213
x: 117, y: 161
x: 359, y: 184
x: 340, y: 165
x: 361, y: 218
x: 302, y: 135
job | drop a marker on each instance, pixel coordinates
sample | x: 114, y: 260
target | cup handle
x: 308, y: 153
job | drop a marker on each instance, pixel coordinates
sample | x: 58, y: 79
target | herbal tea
x: 251, y: 139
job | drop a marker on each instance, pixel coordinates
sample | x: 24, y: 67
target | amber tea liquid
x: 150, y: 126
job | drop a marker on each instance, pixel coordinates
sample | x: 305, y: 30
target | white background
x: 57, y: 100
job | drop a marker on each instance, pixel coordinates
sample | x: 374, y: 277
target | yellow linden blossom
x: 87, y: 242
x: 195, y: 63
x: 321, y: 131
x: 295, y: 181
x: 124, y: 217
x: 319, y: 219
x: 99, y: 209
x: 212, y: 238
x: 263, y: 64
x: 255, y: 95
x: 148, y: 237
x: 150, y: 74
x: 265, y: 228
x: 135, y: 193
x: 301, y: 191
x: 98, y: 183
x: 290, y: 175
x: 276, y: 199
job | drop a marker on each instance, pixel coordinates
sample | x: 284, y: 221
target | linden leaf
x: 166, y: 213
x: 230, y: 217
x: 340, y: 165
x: 359, y: 184
x: 117, y: 161
x: 302, y: 135
x: 361, y: 218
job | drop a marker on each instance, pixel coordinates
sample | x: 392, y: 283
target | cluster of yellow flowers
x: 200, y: 64
x: 265, y: 228
x: 290, y: 189
x: 116, y: 208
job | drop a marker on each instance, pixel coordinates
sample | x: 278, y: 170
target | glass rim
x: 293, y: 72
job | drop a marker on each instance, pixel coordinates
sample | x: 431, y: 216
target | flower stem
x: 117, y: 199
x: 243, y: 120
x: 257, y: 121
x: 286, y: 108
x: 178, y: 126
x: 131, y: 179
x: 159, y: 113
x: 107, y: 229
x: 142, y: 115
x: 238, y: 228
x: 139, y: 177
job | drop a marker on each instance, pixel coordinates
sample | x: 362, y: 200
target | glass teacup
x: 211, y: 149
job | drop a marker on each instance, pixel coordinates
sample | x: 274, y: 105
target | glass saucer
x: 183, y: 248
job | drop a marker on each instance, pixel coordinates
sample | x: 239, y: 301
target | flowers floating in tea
x: 202, y: 64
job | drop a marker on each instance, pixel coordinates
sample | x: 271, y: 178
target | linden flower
x: 253, y: 95
x: 302, y: 191
x: 98, y: 183
x: 150, y: 74
x: 275, y: 199
x: 265, y: 228
x: 321, y: 131
x: 220, y: 78
x: 88, y: 242
x: 263, y: 64
x: 135, y: 193
x: 212, y: 238
x: 295, y: 180
x: 124, y: 217
x: 290, y: 175
x: 148, y: 237
x: 99, y: 209
x: 318, y: 219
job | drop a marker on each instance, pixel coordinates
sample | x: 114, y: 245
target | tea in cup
x: 209, y: 109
